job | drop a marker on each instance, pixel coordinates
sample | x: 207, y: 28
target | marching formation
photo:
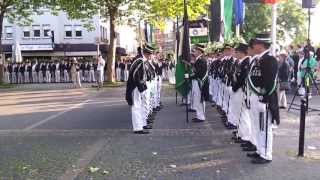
x: 49, y: 72
x: 241, y: 82
x: 143, y: 91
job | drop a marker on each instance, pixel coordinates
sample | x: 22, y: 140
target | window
x: 68, y: 31
x: 26, y: 32
x: 46, y: 31
x: 78, y: 30
x: 9, y: 32
x: 36, y: 31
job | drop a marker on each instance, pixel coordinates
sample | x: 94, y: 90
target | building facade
x: 51, y: 37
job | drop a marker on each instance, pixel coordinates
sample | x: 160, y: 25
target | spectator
x: 100, y: 71
x: 284, y: 71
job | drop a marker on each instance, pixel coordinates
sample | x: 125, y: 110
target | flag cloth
x: 239, y: 12
x: 272, y: 1
x: 182, y: 85
x: 228, y: 14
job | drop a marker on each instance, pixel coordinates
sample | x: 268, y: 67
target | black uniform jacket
x: 241, y: 74
x: 269, y: 70
x: 136, y: 80
x: 201, y: 74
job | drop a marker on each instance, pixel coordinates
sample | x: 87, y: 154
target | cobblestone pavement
x: 85, y: 134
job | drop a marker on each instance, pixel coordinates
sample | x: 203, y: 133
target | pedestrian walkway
x: 179, y: 150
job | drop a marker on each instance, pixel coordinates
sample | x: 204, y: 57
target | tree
x: 160, y: 10
x: 291, y: 20
x: 113, y: 10
x: 153, y: 11
x: 17, y: 11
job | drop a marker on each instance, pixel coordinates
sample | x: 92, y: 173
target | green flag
x: 228, y: 15
x: 182, y: 85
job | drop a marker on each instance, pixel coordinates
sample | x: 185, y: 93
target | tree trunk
x: 111, y: 57
x: 1, y: 50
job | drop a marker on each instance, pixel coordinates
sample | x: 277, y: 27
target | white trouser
x: 198, y: 105
x: 171, y: 76
x: 34, y: 77
x: 282, y: 99
x: 86, y: 75
x: 219, y: 93
x: 6, y: 77
x: 100, y: 75
x: 146, y: 101
x: 26, y: 77
x: 78, y: 80
x: 66, y: 76
x: 226, y: 98
x: 126, y: 75
x: 118, y: 74
x: 57, y: 76
x: 235, y: 103
x: 244, y: 130
x: 159, y: 84
x: 14, y: 77
x: 154, y: 92
x: 211, y: 86
x: 91, y: 76
x: 21, y: 78
x: 137, y: 111
x: 48, y: 75
x: 263, y: 127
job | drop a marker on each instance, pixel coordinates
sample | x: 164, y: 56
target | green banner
x: 199, y: 39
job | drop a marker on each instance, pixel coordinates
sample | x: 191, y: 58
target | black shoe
x: 158, y: 109
x: 196, y: 120
x: 230, y: 126
x: 191, y: 110
x: 239, y: 141
x: 253, y: 155
x: 183, y: 104
x: 247, y: 144
x: 282, y: 107
x: 147, y: 127
x: 260, y: 160
x: 250, y: 148
x: 141, y: 132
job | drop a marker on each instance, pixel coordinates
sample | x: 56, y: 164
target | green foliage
x: 290, y: 23
x: 158, y: 11
x: 19, y: 11
x: 257, y: 19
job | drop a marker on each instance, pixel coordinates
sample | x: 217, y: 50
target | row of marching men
x: 44, y: 72
x: 143, y: 91
x: 242, y: 86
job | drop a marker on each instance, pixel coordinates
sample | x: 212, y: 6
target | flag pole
x: 186, y: 76
x: 177, y: 51
x: 274, y: 28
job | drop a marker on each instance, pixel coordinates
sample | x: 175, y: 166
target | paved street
x: 62, y: 134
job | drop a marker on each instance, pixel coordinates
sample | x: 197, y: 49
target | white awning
x: 68, y: 28
x: 25, y: 29
x: 78, y: 28
x: 36, y: 47
x: 36, y: 27
x: 46, y: 27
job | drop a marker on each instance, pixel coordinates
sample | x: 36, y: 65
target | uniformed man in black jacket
x: 10, y: 71
x: 44, y: 72
x: 239, y: 88
x: 136, y: 87
x: 37, y: 69
x: 29, y: 70
x: 200, y: 84
x: 263, y: 83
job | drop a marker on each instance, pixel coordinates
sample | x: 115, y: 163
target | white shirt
x: 101, y: 64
